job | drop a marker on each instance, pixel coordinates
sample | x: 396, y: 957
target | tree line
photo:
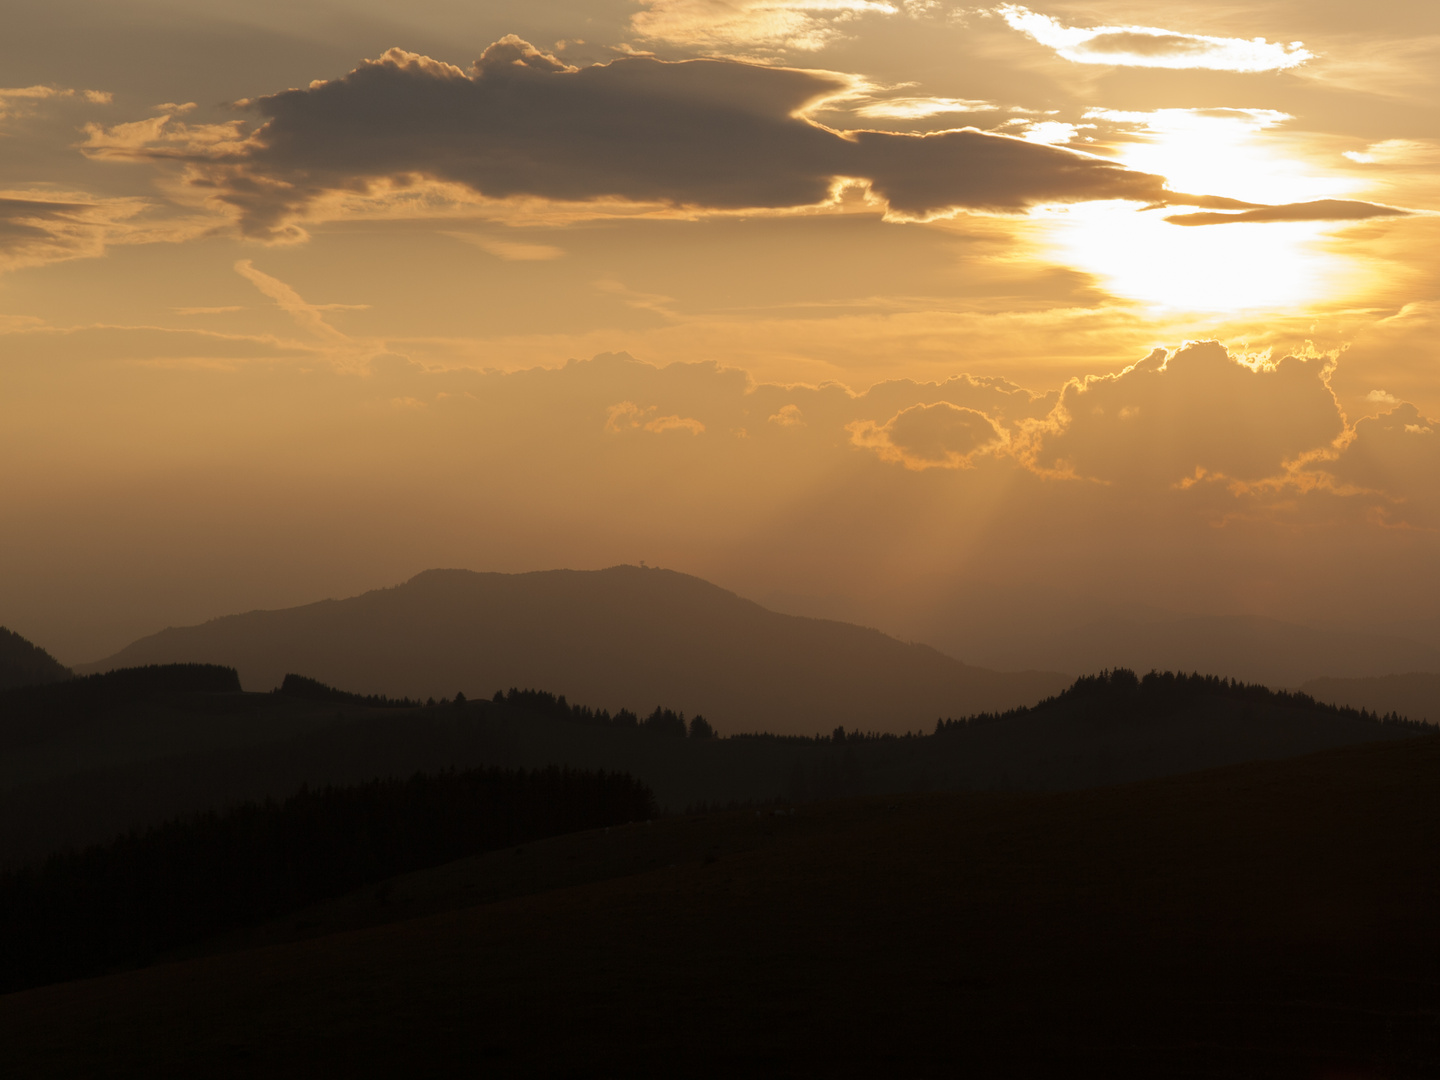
x: 662, y: 721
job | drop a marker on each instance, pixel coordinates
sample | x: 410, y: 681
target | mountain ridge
x: 622, y: 637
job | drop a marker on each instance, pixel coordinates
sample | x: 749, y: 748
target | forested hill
x: 24, y: 664
x: 77, y: 768
x: 625, y: 637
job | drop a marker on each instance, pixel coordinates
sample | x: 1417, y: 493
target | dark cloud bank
x: 710, y: 134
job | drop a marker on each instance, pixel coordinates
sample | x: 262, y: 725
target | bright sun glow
x: 1209, y: 268
x: 1231, y: 152
x: 1230, y: 267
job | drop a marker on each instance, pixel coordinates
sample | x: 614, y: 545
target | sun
x: 1241, y: 267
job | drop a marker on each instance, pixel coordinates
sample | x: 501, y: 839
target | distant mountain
x: 24, y: 664
x: 625, y: 637
x: 1415, y: 695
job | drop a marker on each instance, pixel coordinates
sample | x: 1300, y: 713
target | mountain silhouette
x: 625, y: 637
x: 24, y: 664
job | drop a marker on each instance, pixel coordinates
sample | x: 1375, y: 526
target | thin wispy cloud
x: 1318, y: 210
x: 1150, y: 46
x: 919, y: 108
x: 510, y: 250
x: 804, y: 25
x: 19, y: 101
x: 49, y: 226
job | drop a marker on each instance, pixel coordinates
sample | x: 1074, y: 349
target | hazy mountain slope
x: 1248, y: 648
x: 1415, y: 695
x: 24, y: 664
x: 623, y: 637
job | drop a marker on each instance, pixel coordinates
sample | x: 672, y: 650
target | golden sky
x: 913, y: 313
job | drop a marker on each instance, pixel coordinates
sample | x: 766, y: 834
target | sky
x: 937, y: 318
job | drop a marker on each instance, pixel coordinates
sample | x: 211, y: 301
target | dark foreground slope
x: 123, y: 903
x: 79, y: 778
x: 1271, y: 920
x: 25, y: 664
x: 619, y: 638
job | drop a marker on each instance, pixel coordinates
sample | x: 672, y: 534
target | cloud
x: 698, y: 135
x: 675, y: 423
x: 309, y: 316
x: 787, y: 416
x: 938, y: 436
x: 627, y: 416
x: 163, y: 137
x: 510, y: 250
x: 1318, y: 210
x: 20, y: 101
x: 1397, y: 453
x: 1200, y: 411
x: 1149, y: 46
x: 918, y: 108
x: 1397, y: 152
x: 805, y: 25
x: 45, y: 227
x: 339, y: 349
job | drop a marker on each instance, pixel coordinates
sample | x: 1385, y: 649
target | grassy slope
x: 1273, y: 919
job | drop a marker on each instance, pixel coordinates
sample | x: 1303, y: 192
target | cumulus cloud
x: 1195, y: 430
x: 1397, y: 453
x: 1198, y: 412
x: 938, y: 436
x: 1150, y: 46
x: 711, y: 135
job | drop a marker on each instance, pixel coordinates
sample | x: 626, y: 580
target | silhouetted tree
x: 700, y: 728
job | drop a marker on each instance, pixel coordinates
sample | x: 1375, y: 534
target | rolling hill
x: 87, y: 759
x: 625, y: 637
